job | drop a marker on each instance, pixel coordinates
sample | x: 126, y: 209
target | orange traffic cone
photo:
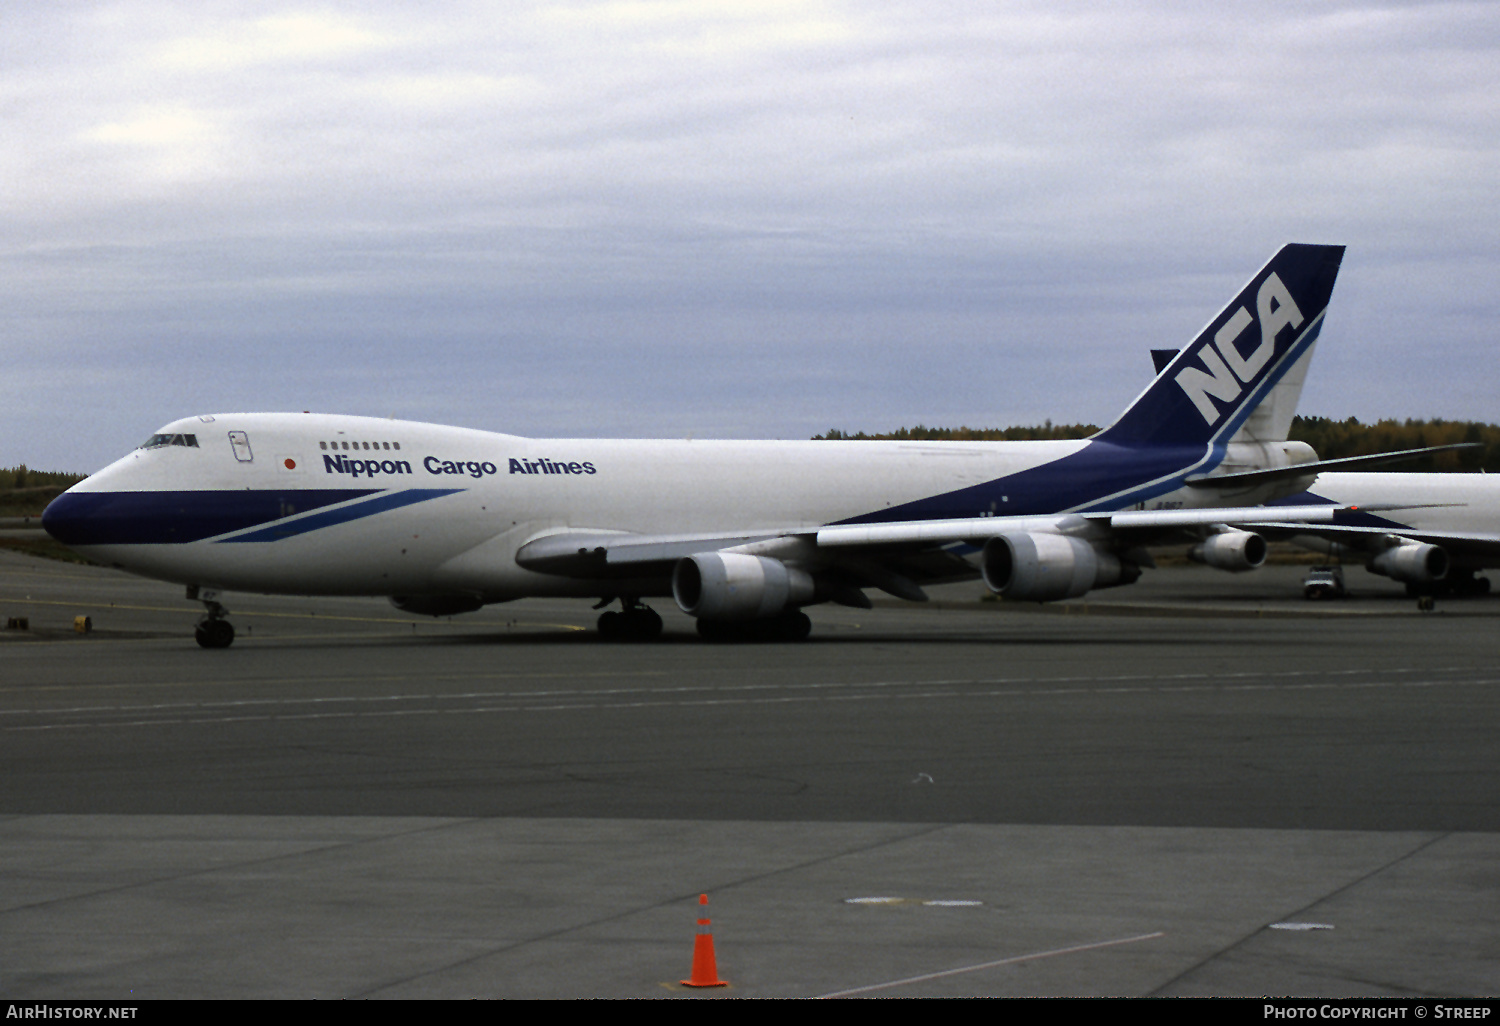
x: 705, y: 966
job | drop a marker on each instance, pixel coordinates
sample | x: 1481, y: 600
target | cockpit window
x: 159, y: 441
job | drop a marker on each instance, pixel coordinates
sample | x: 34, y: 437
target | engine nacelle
x: 1412, y: 563
x: 734, y: 586
x: 1044, y: 567
x: 436, y: 605
x: 1235, y: 551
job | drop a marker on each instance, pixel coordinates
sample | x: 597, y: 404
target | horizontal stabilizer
x: 1249, y: 477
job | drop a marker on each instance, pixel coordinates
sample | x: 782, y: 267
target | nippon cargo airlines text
x: 441, y: 467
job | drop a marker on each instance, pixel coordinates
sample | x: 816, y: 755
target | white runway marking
x: 991, y: 965
x: 472, y: 702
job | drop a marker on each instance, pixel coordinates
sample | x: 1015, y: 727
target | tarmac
x: 1197, y: 785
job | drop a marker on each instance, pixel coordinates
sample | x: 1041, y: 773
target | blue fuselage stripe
x: 342, y: 515
x: 179, y: 517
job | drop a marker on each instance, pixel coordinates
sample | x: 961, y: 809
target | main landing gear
x: 213, y: 631
x: 793, y: 626
x: 639, y: 623
x: 633, y: 623
x: 1458, y: 584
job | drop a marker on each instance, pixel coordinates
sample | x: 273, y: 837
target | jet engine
x: 436, y: 605
x: 1235, y: 551
x: 1044, y: 567
x: 1412, y: 563
x: 735, y: 586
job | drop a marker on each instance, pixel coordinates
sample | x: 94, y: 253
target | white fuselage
x: 1460, y: 512
x: 327, y: 504
x: 1460, y: 503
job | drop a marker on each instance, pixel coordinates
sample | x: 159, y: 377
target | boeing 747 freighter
x: 742, y: 535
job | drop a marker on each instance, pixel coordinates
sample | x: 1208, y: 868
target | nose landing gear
x: 213, y: 631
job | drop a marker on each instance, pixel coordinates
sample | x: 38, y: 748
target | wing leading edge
x: 585, y: 553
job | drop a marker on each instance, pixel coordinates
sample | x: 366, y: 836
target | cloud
x: 278, y: 40
x: 644, y: 218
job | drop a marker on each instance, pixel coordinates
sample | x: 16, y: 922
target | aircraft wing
x: 585, y: 553
x: 1125, y: 522
x: 1478, y: 550
x: 918, y: 546
x: 1398, y: 517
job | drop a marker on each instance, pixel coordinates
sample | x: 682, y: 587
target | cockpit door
x: 241, y: 444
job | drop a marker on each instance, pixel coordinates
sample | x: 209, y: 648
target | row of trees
x: 1332, y: 439
x: 1037, y: 432
x: 24, y: 477
x: 26, y: 492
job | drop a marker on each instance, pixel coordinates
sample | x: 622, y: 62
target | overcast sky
x: 722, y: 219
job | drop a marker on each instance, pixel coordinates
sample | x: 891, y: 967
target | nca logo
x: 1228, y: 369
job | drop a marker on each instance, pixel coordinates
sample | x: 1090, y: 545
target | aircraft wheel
x: 644, y: 623
x: 214, y: 634
x: 1426, y: 603
x: 1468, y: 585
x: 611, y: 626
x: 787, y: 627
x: 795, y: 626
x: 637, y: 623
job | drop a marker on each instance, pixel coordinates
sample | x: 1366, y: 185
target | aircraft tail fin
x: 1241, y: 377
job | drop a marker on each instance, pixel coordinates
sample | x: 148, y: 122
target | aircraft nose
x: 77, y: 518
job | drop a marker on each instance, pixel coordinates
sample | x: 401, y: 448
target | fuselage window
x: 193, y: 440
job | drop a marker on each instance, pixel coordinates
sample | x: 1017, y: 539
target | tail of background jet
x: 1241, y: 377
